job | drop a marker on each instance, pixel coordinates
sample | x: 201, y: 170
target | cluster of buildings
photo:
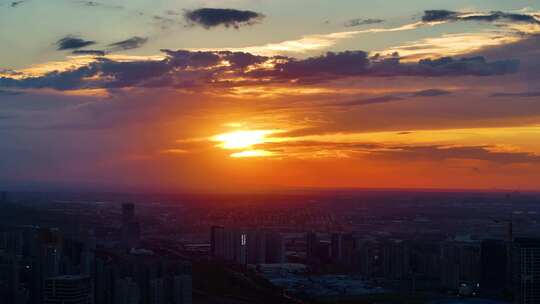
x: 244, y: 246
x: 489, y: 267
x: 45, y: 265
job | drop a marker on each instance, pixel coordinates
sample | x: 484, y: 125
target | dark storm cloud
x: 213, y: 17
x: 89, y: 52
x: 72, y: 42
x: 129, y: 44
x: 360, y: 21
x: 189, y: 69
x: 445, y: 15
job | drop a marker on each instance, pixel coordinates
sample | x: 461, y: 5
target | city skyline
x: 236, y: 95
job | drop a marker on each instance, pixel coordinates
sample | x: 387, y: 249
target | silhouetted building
x: 367, y: 258
x: 217, y: 241
x: 460, y: 263
x: 182, y: 289
x: 396, y: 259
x: 256, y: 247
x: 275, y: 248
x: 157, y: 291
x: 312, y: 247
x: 336, y: 247
x: 131, y: 230
x: 494, y: 266
x: 425, y: 260
x: 3, y: 197
x: 128, y: 213
x: 10, y: 288
x: 342, y: 248
x: 126, y: 291
x: 68, y: 290
x: 526, y: 270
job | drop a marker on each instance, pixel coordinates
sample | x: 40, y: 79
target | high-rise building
x: 336, y: 246
x: 3, y: 197
x: 239, y: 244
x: 51, y: 242
x: 275, y: 248
x: 234, y: 242
x: 128, y: 213
x: 217, y: 242
x: 247, y: 246
x: 68, y: 289
x: 367, y: 258
x: 157, y: 291
x: 256, y: 247
x: 131, y: 230
x: 342, y: 248
x: 312, y: 245
x: 526, y: 270
x: 396, y: 259
x: 460, y: 263
x: 9, y: 279
x: 182, y: 289
x: 494, y: 266
x: 126, y: 291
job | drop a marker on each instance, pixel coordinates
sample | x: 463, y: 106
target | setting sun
x: 242, y: 139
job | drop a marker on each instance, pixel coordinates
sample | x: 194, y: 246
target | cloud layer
x: 186, y: 69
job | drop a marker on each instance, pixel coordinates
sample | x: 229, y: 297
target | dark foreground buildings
x: 49, y: 266
x: 526, y: 270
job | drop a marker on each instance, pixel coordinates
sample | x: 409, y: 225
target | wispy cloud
x: 73, y: 42
x: 451, y: 45
x: 129, y: 44
x: 361, y: 21
x: 316, y: 42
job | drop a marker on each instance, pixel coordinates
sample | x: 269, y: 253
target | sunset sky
x: 247, y: 94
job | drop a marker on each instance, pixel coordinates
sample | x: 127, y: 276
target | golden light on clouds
x: 252, y: 153
x: 450, y: 45
x: 257, y: 143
